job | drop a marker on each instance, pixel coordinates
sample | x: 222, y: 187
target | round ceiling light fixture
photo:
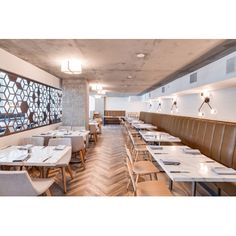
x: 140, y: 55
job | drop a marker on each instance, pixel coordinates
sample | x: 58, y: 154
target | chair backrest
x: 129, y: 156
x: 130, y: 171
x: 59, y: 141
x: 16, y: 183
x: 93, y: 128
x: 77, y: 143
x: 36, y: 141
x: 77, y: 128
x: 64, y: 127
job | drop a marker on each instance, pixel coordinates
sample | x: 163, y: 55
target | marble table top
x: 143, y: 126
x: 192, y: 168
x: 64, y: 133
x: 156, y: 136
x: 40, y: 155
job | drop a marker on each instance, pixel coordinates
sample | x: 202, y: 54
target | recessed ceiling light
x: 140, y: 55
x: 129, y: 76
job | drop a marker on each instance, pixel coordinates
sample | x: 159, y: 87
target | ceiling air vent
x: 163, y: 89
x: 193, y: 78
x: 230, y: 65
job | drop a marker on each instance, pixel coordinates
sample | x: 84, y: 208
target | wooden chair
x: 19, y: 183
x: 142, y: 167
x: 93, y: 132
x: 138, y: 147
x: 147, y: 188
x: 78, y: 147
x: 63, y: 164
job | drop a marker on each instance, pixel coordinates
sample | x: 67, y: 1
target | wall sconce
x: 159, y: 106
x: 206, y: 100
x: 174, y: 107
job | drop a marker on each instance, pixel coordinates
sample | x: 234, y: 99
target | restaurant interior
x: 117, y: 117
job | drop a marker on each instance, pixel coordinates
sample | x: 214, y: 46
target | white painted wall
x: 223, y: 100
x: 18, y: 66
x: 133, y: 104
x: 91, y: 106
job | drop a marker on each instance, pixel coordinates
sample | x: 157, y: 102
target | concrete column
x: 75, y: 102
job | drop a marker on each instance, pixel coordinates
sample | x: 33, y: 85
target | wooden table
x: 193, y: 168
x: 158, y: 137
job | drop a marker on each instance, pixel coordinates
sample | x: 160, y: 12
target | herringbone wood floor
x: 106, y: 172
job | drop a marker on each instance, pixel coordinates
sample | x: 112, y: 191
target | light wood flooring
x: 106, y: 173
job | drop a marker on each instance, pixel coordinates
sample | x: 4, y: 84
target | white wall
x: 18, y: 66
x: 125, y: 103
x: 223, y: 100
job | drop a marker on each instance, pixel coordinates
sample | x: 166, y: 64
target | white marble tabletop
x: 192, y: 167
x: 143, y: 126
x: 64, y: 133
x: 157, y: 136
x: 40, y: 156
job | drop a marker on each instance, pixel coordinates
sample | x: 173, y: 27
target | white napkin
x: 60, y: 147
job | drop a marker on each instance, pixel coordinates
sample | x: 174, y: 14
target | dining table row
x: 43, y: 152
x: 179, y: 162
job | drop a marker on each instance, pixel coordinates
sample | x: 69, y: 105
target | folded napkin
x: 25, y: 147
x: 156, y: 148
x: 191, y: 151
x: 60, y: 147
x: 224, y: 171
x: 170, y: 162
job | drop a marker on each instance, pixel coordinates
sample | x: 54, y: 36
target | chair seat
x: 41, y: 185
x: 140, y: 148
x: 152, y: 188
x: 144, y: 167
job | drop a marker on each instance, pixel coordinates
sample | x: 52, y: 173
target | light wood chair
x: 93, y: 132
x: 19, y: 183
x: 147, y: 188
x: 78, y: 147
x: 64, y: 163
x: 140, y: 168
x: 138, y: 147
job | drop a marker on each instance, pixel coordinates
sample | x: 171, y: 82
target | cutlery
x: 179, y: 171
x: 47, y: 158
x: 161, y: 153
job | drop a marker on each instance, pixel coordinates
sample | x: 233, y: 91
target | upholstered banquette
x: 113, y: 116
x: 215, y: 139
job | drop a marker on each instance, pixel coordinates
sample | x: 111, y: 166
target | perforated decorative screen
x: 25, y: 104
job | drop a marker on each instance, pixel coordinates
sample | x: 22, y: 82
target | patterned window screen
x: 25, y: 104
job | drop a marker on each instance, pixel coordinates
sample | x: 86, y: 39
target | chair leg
x: 82, y: 158
x: 48, y: 192
x: 127, y: 187
x: 70, y: 171
x: 136, y: 181
x: 63, y: 172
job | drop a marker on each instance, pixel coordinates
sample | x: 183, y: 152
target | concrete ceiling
x: 111, y: 61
